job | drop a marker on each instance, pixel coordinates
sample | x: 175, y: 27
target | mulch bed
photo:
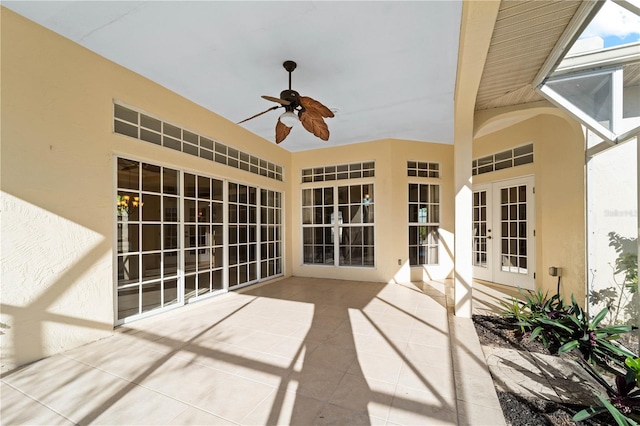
x: 497, y: 331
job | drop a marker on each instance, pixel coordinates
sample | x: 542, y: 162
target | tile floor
x: 296, y: 351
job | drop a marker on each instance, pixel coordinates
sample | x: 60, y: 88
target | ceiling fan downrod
x: 289, y: 66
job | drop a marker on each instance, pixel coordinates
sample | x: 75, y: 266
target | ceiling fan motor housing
x: 291, y: 96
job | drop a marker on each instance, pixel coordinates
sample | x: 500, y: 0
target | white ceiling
x: 387, y: 67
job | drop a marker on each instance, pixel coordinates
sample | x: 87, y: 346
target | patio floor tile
x: 293, y: 351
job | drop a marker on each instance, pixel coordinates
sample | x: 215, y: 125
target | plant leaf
x: 615, y: 349
x: 620, y: 419
x: 588, y: 413
x: 599, y: 317
x: 568, y: 346
x: 615, y: 329
x: 536, y: 331
x: 555, y: 324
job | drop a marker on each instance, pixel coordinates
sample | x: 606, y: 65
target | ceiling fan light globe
x: 289, y: 119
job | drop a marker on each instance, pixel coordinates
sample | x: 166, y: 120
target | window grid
x: 137, y: 125
x: 346, y: 211
x: 356, y: 208
x: 147, y: 233
x: 513, y: 220
x: 243, y: 234
x: 317, y: 226
x: 270, y: 233
x: 170, y: 236
x: 503, y: 160
x: 339, y: 172
x: 480, y: 229
x: 423, y: 169
x: 203, y: 235
x: 424, y: 224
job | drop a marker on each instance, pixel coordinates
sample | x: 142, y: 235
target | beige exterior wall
x: 558, y: 170
x: 58, y: 177
x: 391, y: 212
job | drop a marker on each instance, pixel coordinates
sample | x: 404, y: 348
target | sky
x: 615, y: 24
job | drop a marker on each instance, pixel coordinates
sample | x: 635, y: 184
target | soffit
x: 524, y: 35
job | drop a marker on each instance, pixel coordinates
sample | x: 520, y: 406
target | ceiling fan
x: 309, y: 111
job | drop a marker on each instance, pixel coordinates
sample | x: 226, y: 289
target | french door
x: 182, y: 237
x: 503, y: 232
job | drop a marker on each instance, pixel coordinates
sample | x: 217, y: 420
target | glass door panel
x: 513, y: 227
x: 503, y: 232
x: 482, y: 229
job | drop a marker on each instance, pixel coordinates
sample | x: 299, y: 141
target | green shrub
x: 622, y: 400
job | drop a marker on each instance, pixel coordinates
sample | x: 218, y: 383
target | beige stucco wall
x: 391, y: 199
x: 558, y: 170
x: 57, y: 182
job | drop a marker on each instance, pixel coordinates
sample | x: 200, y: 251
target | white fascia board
x: 576, y: 113
x: 607, y: 58
x: 585, y: 13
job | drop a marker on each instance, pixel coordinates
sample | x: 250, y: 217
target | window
x: 171, y: 228
x: 339, y: 172
x: 513, y: 223
x: 318, y: 225
x: 270, y: 233
x: 423, y: 169
x: 243, y: 234
x: 147, y: 234
x: 504, y: 160
x: 203, y: 235
x: 424, y: 223
x: 356, y: 208
x: 338, y: 225
x: 135, y: 124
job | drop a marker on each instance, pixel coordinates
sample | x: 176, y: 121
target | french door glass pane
x: 128, y: 302
x: 171, y: 292
x: 128, y: 239
x: 150, y: 178
x: 151, y: 296
x: 514, y: 229
x: 128, y: 174
x: 156, y: 235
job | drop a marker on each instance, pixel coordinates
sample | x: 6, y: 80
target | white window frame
x: 427, y: 223
x: 337, y: 227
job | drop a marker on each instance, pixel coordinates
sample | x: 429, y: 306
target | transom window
x: 135, y: 124
x: 503, y: 160
x: 423, y: 169
x: 339, y: 172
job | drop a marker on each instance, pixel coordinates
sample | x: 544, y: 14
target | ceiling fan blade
x: 278, y: 100
x: 314, y: 124
x: 313, y: 105
x: 282, y: 131
x: 259, y: 114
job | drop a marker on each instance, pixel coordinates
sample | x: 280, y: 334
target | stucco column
x: 476, y: 29
x: 463, y: 278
